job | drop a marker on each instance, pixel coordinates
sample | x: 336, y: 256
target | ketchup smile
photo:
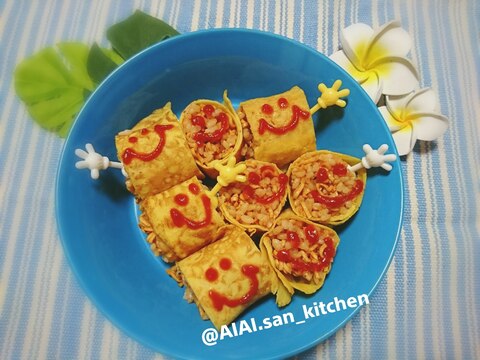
x: 130, y: 154
x: 216, y: 136
x: 304, y: 266
x: 220, y: 300
x: 180, y: 220
x: 339, y: 200
x: 297, y: 114
x: 249, y: 191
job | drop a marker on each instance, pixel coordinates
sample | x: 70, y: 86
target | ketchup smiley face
x: 322, y: 177
x: 130, y: 153
x: 200, y: 120
x: 180, y: 220
x: 254, y: 178
x: 282, y: 103
x: 219, y: 300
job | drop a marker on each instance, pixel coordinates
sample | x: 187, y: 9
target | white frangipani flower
x: 376, y: 59
x: 413, y: 117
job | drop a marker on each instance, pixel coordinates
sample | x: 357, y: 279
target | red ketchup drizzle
x: 208, y: 110
x: 311, y: 234
x: 249, y: 192
x: 297, y: 113
x: 181, y: 199
x: 144, y: 131
x: 267, y: 109
x: 293, y: 238
x: 337, y: 201
x: 303, y: 266
x: 194, y: 189
x: 339, y: 169
x: 215, y: 136
x: 211, y: 274
x: 180, y: 220
x: 322, y: 175
x: 282, y: 103
x: 254, y: 178
x: 225, y: 263
x: 133, y: 139
x: 219, y: 300
x: 129, y: 153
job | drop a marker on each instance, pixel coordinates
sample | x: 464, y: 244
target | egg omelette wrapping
x: 225, y: 277
x: 301, y: 252
x: 278, y: 128
x: 180, y: 220
x: 155, y: 154
x: 323, y: 189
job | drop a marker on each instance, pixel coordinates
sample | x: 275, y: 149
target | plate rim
x: 62, y: 165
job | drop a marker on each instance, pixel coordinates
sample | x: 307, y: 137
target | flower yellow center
x: 402, y: 118
x: 368, y: 54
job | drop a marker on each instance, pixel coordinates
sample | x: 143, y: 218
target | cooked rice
x: 247, y: 148
x: 158, y: 247
x: 303, y: 182
x: 247, y: 211
x: 206, y: 152
x: 306, y: 252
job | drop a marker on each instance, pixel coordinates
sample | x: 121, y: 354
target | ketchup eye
x: 181, y: 199
x: 253, y: 178
x: 225, y: 263
x: 194, y: 189
x: 322, y: 175
x: 282, y: 103
x: 311, y: 233
x: 208, y: 110
x: 198, y: 120
x: 267, y: 109
x: 222, y: 117
x: 340, y: 169
x: 293, y: 237
x: 211, y: 274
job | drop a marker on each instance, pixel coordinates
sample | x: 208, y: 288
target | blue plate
x: 97, y: 220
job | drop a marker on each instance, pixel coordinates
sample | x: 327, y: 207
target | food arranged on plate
x: 323, y: 189
x: 301, y: 252
x: 213, y: 132
x: 155, y: 154
x: 255, y: 203
x: 271, y: 181
x: 278, y: 128
x: 180, y: 220
x: 225, y: 277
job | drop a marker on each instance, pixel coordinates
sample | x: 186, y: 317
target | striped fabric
x: 428, y: 304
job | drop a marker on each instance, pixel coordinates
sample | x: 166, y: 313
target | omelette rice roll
x: 322, y: 189
x: 180, y: 220
x: 155, y: 154
x: 226, y: 277
x: 213, y: 132
x: 301, y: 252
x: 255, y: 204
x: 277, y: 128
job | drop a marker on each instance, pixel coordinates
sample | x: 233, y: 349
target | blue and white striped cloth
x: 428, y: 304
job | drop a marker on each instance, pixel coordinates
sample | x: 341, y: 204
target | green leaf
x: 138, y: 32
x: 113, y: 55
x: 76, y: 57
x: 55, y: 82
x: 100, y: 63
x: 52, y: 84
